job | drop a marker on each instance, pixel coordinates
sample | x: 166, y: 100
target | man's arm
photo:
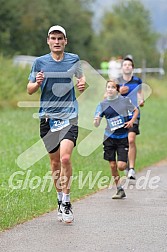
x: 32, y: 87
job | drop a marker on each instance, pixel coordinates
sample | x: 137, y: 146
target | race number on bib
x: 58, y: 124
x: 116, y: 122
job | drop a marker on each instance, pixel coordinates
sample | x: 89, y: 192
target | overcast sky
x: 157, y: 9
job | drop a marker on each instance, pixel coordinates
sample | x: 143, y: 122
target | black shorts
x: 135, y: 129
x: 113, y: 147
x: 52, y: 139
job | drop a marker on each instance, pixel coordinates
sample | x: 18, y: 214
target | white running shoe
x: 131, y: 174
x: 67, y: 214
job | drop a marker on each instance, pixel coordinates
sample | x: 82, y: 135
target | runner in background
x: 115, y: 108
x: 130, y: 86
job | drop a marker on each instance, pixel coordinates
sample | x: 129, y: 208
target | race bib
x: 116, y: 122
x: 58, y: 124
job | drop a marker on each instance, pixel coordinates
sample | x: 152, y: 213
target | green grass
x: 151, y: 143
x: 18, y: 131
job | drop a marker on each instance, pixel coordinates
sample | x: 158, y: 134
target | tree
x: 7, y: 17
x: 25, y: 25
x: 127, y: 30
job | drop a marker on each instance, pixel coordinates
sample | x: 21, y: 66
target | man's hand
x: 39, y: 78
x: 32, y: 87
x: 141, y: 103
x: 124, y: 89
x: 81, y: 84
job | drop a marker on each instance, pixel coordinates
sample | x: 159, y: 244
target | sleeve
x: 34, y: 70
x: 99, y: 111
x: 79, y: 70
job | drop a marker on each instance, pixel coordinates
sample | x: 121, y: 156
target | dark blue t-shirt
x: 134, y: 86
x: 116, y: 113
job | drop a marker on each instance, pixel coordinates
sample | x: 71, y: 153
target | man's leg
x: 56, y: 170
x: 66, y: 147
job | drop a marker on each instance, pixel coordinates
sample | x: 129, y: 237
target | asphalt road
x: 137, y: 223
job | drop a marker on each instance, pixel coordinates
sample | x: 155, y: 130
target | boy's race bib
x: 116, y: 122
x: 58, y: 124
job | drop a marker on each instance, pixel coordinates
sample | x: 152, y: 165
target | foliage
x: 25, y: 25
x: 127, y: 30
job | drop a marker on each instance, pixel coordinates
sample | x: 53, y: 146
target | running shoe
x: 120, y: 194
x: 67, y: 214
x: 59, y: 212
x: 131, y: 174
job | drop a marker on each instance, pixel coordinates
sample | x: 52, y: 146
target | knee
x: 121, y: 166
x: 65, y: 160
x: 131, y: 141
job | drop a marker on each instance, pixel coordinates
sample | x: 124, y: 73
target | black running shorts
x: 134, y: 129
x: 116, y: 147
x: 52, y: 139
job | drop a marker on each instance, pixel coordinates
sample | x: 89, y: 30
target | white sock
x: 66, y: 198
x: 59, y: 196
